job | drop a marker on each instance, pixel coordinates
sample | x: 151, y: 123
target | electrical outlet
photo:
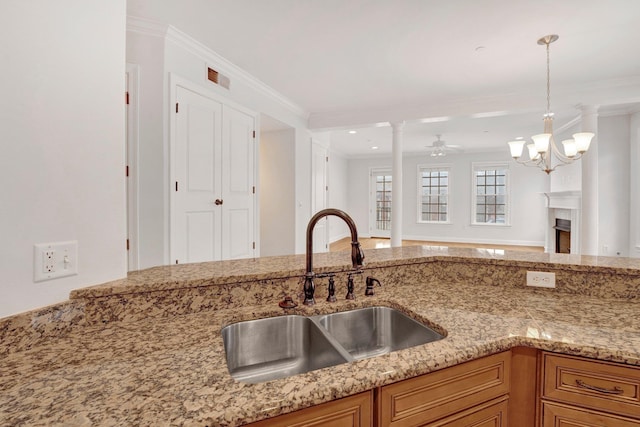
x: 541, y: 279
x: 53, y: 260
x: 48, y: 261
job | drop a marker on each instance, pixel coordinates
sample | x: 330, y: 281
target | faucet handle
x: 350, y: 294
x: 370, y: 282
x: 332, y: 290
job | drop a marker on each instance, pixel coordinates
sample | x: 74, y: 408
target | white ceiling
x: 470, y: 68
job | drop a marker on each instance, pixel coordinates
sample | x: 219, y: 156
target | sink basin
x: 277, y: 347
x: 369, y: 332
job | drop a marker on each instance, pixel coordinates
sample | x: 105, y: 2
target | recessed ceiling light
x: 374, y: 147
x: 519, y: 138
x: 353, y: 131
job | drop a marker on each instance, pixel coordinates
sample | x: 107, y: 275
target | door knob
x: 218, y: 202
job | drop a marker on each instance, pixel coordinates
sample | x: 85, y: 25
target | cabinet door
x: 431, y: 397
x: 557, y: 415
x: 352, y: 411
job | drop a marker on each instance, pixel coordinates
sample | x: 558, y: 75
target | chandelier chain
x: 548, y: 82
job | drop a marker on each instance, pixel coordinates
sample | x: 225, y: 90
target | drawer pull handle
x: 582, y: 384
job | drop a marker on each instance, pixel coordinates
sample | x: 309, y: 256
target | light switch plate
x: 53, y: 260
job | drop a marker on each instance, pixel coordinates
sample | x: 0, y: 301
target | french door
x: 380, y: 203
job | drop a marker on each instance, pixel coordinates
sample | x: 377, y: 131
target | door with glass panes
x: 380, y: 204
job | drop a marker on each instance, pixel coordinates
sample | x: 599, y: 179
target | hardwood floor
x: 374, y: 243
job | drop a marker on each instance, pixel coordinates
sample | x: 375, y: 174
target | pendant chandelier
x: 544, y: 147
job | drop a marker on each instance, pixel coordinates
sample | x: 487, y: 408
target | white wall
x: 616, y: 191
x: 613, y: 185
x: 358, y: 176
x: 161, y: 50
x: 528, y: 216
x: 277, y: 192
x: 634, y: 186
x: 62, y: 161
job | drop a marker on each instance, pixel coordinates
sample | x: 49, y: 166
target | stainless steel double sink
x: 277, y: 347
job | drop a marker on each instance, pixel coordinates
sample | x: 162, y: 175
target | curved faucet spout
x: 357, y: 256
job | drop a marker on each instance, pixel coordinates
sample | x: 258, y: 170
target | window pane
x: 491, y: 195
x: 433, y: 194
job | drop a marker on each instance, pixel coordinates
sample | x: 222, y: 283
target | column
x: 396, y: 186
x: 589, y: 211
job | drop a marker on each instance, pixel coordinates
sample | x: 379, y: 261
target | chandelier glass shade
x: 544, y: 148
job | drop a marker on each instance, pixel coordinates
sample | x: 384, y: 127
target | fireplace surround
x: 563, y: 207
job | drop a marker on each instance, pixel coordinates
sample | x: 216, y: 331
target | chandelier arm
x: 529, y: 163
x: 560, y: 156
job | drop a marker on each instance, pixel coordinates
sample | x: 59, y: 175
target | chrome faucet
x: 357, y: 256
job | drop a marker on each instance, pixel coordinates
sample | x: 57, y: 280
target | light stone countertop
x: 171, y: 370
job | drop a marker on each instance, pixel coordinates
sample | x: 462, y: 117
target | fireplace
x: 563, y: 222
x: 563, y: 236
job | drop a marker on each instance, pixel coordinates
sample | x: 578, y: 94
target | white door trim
x: 132, y: 137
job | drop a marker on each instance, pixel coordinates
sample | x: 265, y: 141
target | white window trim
x: 483, y: 166
x: 442, y: 166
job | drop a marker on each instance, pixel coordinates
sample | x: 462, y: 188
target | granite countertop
x: 171, y: 370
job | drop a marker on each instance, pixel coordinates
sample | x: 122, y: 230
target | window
x: 433, y: 194
x: 490, y: 194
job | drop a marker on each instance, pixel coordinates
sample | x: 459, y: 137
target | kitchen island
x: 147, y: 350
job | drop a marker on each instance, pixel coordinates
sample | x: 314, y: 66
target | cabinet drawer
x: 352, y: 411
x: 433, y: 396
x: 558, y: 415
x: 490, y: 414
x: 600, y: 385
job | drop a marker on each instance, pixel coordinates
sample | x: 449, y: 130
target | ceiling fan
x: 440, y: 148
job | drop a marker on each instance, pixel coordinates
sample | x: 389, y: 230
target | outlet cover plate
x: 53, y: 260
x: 541, y: 279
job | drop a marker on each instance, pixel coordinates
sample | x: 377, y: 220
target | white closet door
x: 196, y: 220
x: 319, y: 156
x: 238, y: 183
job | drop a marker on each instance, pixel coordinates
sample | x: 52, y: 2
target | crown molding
x: 146, y: 26
x: 193, y: 46
x: 603, y: 93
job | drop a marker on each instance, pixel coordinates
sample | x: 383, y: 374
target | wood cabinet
x: 352, y: 411
x: 450, y: 397
x: 582, y: 392
x: 505, y: 388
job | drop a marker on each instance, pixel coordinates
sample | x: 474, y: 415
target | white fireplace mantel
x: 563, y: 200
